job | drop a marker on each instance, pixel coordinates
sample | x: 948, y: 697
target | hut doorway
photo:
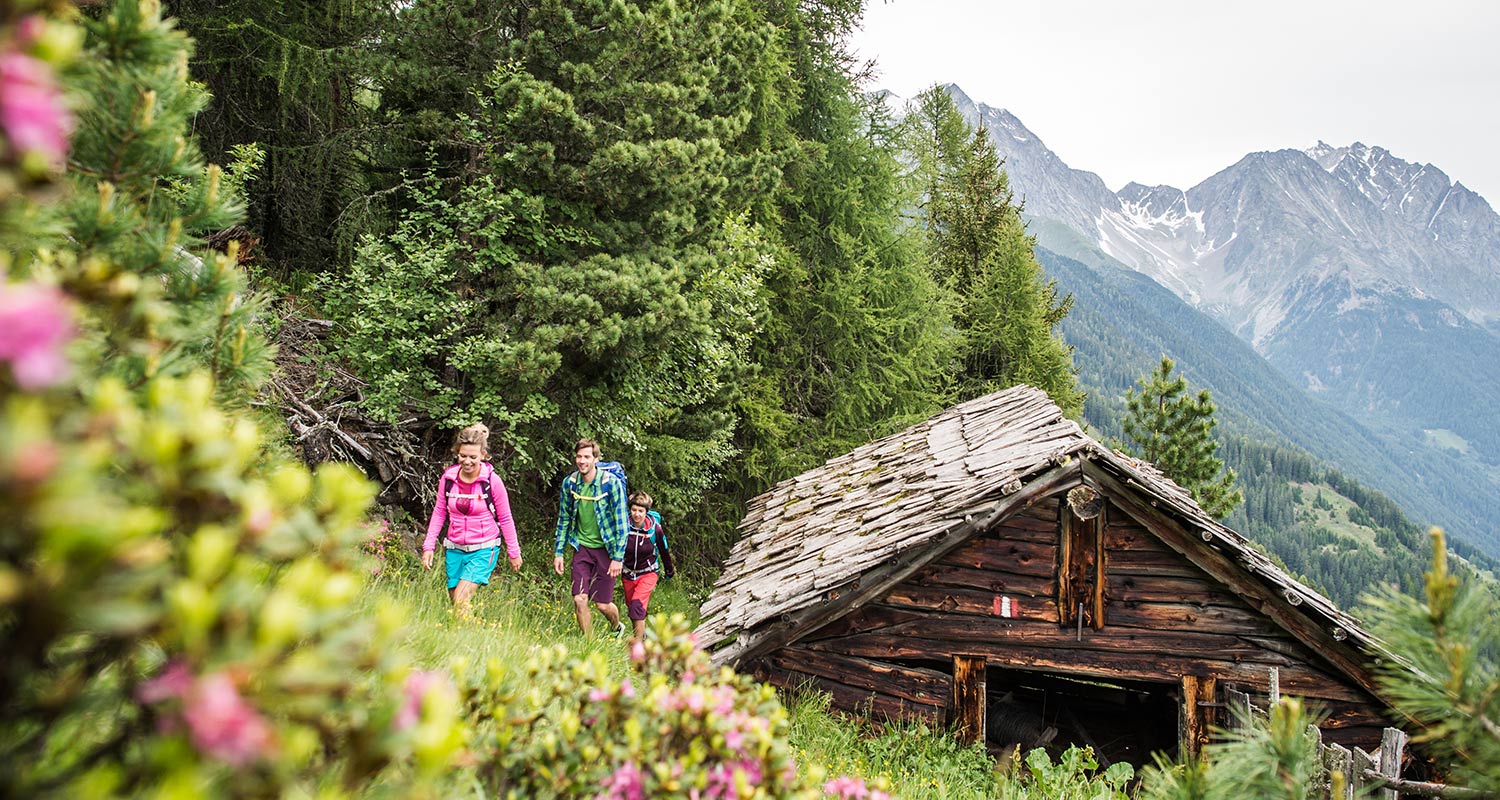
x: 1121, y: 720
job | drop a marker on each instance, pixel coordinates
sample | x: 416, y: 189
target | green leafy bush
x: 677, y: 727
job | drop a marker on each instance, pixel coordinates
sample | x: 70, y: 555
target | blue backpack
x: 617, y: 470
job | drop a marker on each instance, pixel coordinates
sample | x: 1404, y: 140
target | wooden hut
x: 996, y: 569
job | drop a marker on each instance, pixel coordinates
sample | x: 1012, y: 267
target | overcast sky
x: 1172, y: 91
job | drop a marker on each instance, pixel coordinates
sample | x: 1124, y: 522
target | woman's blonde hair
x: 479, y: 434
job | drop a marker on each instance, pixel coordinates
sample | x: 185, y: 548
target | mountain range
x: 1369, y: 285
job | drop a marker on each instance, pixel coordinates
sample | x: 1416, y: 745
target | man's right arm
x: 564, y: 517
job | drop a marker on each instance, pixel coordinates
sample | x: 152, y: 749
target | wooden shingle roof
x: 811, y: 538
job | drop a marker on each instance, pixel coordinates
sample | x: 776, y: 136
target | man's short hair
x: 590, y: 443
x: 641, y: 499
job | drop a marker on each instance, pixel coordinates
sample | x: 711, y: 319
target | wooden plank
x: 1339, y: 763
x: 1101, y: 570
x: 928, y: 687
x: 1194, y: 715
x: 955, y: 600
x: 992, y: 580
x: 1392, y: 747
x: 1020, y: 558
x: 1240, y: 711
x: 1363, y: 765
x: 962, y: 630
x: 1128, y: 588
x: 869, y: 618
x: 854, y: 700
x: 1188, y: 617
x: 967, y: 710
x: 1153, y: 563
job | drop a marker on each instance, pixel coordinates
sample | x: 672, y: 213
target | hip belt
x: 471, y: 548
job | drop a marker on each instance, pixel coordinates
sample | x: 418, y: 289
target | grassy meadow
x: 521, y: 612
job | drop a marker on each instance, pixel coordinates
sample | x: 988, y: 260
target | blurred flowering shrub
x: 175, y: 606
x: 678, y: 727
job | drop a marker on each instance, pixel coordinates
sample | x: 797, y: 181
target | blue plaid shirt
x: 612, y: 512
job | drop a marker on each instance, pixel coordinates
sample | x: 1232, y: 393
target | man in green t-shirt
x: 591, y: 518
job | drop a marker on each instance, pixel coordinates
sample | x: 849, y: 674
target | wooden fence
x: 1373, y: 775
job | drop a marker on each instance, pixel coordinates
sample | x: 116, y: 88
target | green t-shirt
x: 588, y: 512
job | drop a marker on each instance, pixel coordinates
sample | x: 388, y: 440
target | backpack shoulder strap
x: 484, y: 488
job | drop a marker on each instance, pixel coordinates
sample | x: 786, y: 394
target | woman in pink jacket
x: 472, y: 500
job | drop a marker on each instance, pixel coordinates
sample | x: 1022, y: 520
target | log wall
x: 1165, y: 619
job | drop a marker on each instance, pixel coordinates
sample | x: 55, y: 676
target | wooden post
x: 1362, y: 763
x: 1239, y: 709
x: 1320, y: 769
x: 1337, y: 759
x: 1392, y: 743
x: 1195, y: 715
x: 967, y: 712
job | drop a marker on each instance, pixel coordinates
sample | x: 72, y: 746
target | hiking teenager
x: 646, y: 557
x: 591, y: 519
x: 473, y: 503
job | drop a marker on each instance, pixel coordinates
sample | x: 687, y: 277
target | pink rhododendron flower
x: 847, y: 788
x: 32, y: 114
x: 221, y: 724
x: 725, y: 697
x: 598, y: 695
x: 638, y: 652
x: 171, y: 684
x: 627, y: 783
x: 627, y: 689
x: 414, y: 692
x: 35, y: 324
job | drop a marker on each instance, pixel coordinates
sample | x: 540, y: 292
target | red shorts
x: 638, y: 595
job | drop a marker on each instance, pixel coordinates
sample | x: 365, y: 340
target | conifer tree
x: 301, y: 80
x: 1004, y: 307
x: 143, y: 200
x: 592, y: 264
x: 1174, y: 430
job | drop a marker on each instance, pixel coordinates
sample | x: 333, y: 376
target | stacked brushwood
x: 322, y: 402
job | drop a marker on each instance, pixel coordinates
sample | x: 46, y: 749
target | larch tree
x: 1005, y: 309
x: 1173, y: 429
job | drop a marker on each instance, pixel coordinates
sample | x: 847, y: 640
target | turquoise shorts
x: 473, y: 567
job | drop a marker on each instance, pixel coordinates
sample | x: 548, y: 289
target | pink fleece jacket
x: 477, y: 525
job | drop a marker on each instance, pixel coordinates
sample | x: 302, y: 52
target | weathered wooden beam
x: 1425, y: 789
x: 1238, y: 704
x: 1392, y: 744
x: 921, y: 686
x: 1337, y: 760
x: 968, y: 709
x: 1363, y: 769
x: 1195, y: 717
x: 1266, y: 600
x: 874, y: 583
x: 1101, y: 567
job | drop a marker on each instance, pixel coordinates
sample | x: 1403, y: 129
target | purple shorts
x: 591, y: 575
